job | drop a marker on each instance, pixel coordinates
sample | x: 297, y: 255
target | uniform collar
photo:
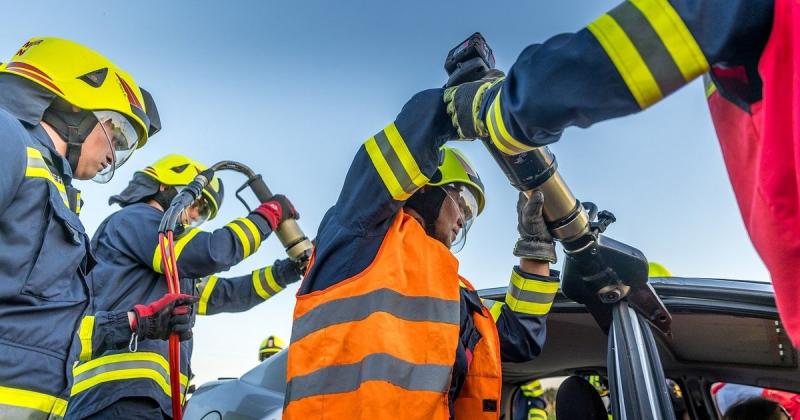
x: 23, y: 99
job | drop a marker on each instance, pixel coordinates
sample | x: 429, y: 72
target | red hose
x: 167, y: 247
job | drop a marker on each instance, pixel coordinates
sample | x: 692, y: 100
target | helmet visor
x: 196, y: 214
x: 122, y: 139
x: 467, y: 205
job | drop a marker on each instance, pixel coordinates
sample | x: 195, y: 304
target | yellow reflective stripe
x: 179, y: 245
x: 241, y: 236
x: 121, y: 374
x: 627, y: 60
x: 537, y: 414
x: 37, y: 168
x: 85, y: 332
x: 675, y: 35
x: 495, y: 308
x: 413, y: 178
x: 501, y: 138
x: 257, y: 285
x: 254, y: 231
x: 530, y: 296
x: 711, y: 87
x: 271, y: 280
x: 205, y: 294
x: 32, y: 400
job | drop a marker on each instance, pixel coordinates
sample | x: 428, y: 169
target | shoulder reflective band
x: 356, y: 308
x: 532, y: 389
x: 530, y: 296
x: 537, y: 414
x: 374, y: 367
x: 501, y: 138
x: 180, y: 243
x: 395, y: 164
x: 264, y: 283
x: 247, y: 233
x: 205, y: 288
x: 85, y: 332
x: 23, y: 404
x: 495, y: 308
x: 710, y: 87
x: 37, y: 168
x: 651, y: 47
x: 124, y: 366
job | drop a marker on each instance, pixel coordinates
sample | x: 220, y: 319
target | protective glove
x: 464, y: 105
x: 287, y: 271
x: 157, y: 320
x: 535, y: 241
x: 276, y: 210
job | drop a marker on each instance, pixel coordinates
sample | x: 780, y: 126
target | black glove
x: 286, y: 271
x: 276, y: 210
x: 170, y: 314
x: 464, y: 105
x: 535, y: 241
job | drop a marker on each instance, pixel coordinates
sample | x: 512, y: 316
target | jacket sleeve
x: 102, y: 332
x: 623, y: 62
x: 522, y: 319
x: 200, y: 253
x: 237, y: 294
x: 12, y: 160
x: 387, y: 169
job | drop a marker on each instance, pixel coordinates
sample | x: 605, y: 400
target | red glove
x: 157, y: 320
x: 276, y: 210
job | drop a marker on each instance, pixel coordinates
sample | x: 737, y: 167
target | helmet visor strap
x: 466, y: 203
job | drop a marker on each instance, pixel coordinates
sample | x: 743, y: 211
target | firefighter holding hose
x: 133, y: 381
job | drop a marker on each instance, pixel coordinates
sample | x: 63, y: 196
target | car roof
x: 722, y: 331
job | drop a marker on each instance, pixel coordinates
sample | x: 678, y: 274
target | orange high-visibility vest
x: 382, y: 344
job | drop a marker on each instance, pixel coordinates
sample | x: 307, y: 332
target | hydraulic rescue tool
x: 598, y: 270
x: 295, y: 242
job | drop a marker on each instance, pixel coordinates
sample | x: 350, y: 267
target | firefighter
x: 640, y: 52
x: 270, y: 347
x: 384, y: 326
x: 133, y: 381
x: 66, y: 112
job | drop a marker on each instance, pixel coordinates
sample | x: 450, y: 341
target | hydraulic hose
x: 295, y: 242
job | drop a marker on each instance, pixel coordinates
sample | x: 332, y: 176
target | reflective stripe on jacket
x: 391, y: 330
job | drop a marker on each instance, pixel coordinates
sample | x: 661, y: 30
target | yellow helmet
x: 271, y: 345
x: 456, y: 168
x: 89, y: 81
x: 179, y: 170
x: 655, y: 269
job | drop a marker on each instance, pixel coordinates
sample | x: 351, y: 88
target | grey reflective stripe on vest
x: 375, y: 367
x: 24, y: 413
x: 116, y: 366
x: 527, y: 296
x: 356, y: 308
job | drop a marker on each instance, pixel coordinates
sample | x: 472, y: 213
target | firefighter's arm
x: 13, y: 160
x: 238, y: 294
x: 394, y: 163
x: 522, y: 319
x: 200, y: 253
x: 623, y: 62
x: 103, y: 331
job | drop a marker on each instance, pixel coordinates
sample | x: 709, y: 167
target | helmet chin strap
x: 74, y: 127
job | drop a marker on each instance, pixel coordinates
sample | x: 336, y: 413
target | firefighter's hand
x: 276, y: 210
x: 286, y: 271
x: 171, y: 314
x: 535, y: 241
x: 464, y: 105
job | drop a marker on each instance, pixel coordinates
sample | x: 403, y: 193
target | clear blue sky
x: 293, y: 88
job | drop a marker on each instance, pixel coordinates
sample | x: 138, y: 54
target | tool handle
x: 259, y: 188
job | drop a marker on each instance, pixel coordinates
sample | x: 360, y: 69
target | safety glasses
x: 122, y: 139
x: 465, y: 201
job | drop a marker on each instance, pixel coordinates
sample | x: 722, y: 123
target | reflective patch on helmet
x: 95, y: 78
x: 32, y: 72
